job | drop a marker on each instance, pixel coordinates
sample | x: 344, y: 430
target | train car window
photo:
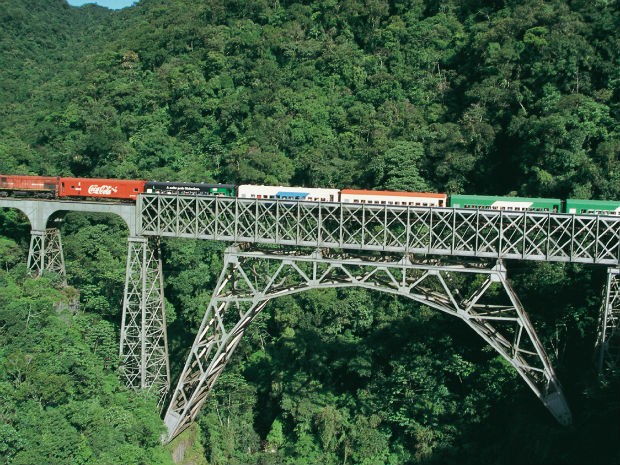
x: 383, y: 202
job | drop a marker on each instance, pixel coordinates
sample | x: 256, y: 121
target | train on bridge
x: 51, y: 187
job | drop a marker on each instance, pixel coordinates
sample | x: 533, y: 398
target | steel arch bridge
x: 403, y: 239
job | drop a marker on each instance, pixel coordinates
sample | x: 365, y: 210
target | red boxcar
x: 100, y: 188
x: 43, y: 186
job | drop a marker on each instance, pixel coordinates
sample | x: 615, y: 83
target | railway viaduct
x: 393, y: 249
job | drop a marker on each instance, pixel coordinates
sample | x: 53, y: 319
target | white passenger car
x: 308, y: 194
x: 410, y: 199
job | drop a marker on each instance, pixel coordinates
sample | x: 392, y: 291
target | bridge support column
x: 45, y: 253
x: 608, y: 338
x: 143, y: 342
x: 250, y: 280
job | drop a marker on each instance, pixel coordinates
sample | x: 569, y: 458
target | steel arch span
x: 249, y: 280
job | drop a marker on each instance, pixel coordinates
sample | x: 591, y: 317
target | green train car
x: 518, y: 204
x: 593, y: 207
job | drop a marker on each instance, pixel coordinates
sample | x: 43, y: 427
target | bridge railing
x: 528, y: 235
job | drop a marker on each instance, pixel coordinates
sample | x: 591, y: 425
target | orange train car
x: 100, y: 188
x: 35, y: 186
x: 418, y: 199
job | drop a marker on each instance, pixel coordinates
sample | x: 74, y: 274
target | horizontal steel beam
x: 495, y: 234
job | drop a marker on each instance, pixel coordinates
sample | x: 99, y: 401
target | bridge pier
x: 143, y: 342
x: 249, y: 280
x: 45, y: 253
x: 608, y: 337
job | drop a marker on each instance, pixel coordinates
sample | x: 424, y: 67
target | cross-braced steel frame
x: 45, y: 253
x: 608, y: 340
x: 389, y: 228
x: 143, y: 343
x: 484, y: 300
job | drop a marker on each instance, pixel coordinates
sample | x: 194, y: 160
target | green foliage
x: 478, y: 97
x: 95, y: 251
x: 61, y: 401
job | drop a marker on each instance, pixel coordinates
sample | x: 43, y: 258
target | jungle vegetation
x: 517, y: 97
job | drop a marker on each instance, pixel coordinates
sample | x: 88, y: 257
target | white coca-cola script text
x: 102, y: 190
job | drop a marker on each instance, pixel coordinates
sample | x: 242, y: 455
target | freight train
x: 128, y: 190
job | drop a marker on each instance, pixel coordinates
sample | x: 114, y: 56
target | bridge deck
x: 39, y: 211
x: 421, y: 230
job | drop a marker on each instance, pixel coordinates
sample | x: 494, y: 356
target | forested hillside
x: 485, y: 97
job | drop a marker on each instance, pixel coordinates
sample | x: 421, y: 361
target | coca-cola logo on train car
x: 104, y: 189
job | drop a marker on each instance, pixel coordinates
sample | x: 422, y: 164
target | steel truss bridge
x: 408, y: 245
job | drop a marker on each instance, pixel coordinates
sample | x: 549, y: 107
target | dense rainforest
x: 518, y: 97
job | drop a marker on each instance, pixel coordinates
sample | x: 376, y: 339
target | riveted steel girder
x: 608, y: 338
x: 143, y: 343
x: 45, y: 253
x: 249, y: 280
x: 441, y: 231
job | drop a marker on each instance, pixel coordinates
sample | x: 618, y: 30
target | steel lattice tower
x: 45, y: 253
x: 608, y: 340
x: 143, y: 342
x: 250, y: 280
